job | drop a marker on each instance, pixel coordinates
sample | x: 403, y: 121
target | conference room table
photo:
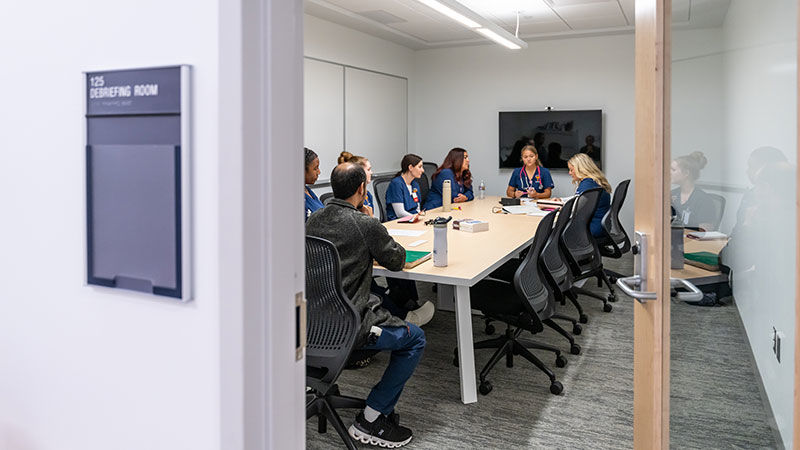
x: 471, y: 257
x: 696, y: 275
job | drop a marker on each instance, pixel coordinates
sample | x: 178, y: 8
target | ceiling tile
x: 434, y: 32
x: 597, y: 22
x: 590, y: 11
x: 530, y: 29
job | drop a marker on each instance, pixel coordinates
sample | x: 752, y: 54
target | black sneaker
x: 384, y: 432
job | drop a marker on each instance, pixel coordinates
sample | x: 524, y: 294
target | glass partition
x: 733, y: 146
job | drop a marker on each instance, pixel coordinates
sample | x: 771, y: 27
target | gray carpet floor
x: 715, y: 398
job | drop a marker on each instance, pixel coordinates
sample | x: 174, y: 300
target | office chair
x: 324, y: 197
x: 523, y: 306
x: 333, y: 324
x: 424, y: 188
x: 380, y: 185
x: 615, y: 242
x: 719, y: 210
x: 580, y: 248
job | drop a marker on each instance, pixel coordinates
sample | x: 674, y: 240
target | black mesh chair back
x: 332, y: 321
x: 552, y: 258
x: 424, y: 188
x: 529, y: 282
x: 576, y: 241
x: 616, y: 241
x: 380, y: 186
x: 324, y: 197
x: 719, y: 210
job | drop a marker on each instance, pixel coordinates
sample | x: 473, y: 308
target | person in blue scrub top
x: 587, y: 175
x: 456, y: 169
x: 402, y: 196
x: 311, y: 175
x: 531, y: 180
x: 368, y: 207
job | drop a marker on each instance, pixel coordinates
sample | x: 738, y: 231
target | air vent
x: 557, y: 3
x: 382, y: 16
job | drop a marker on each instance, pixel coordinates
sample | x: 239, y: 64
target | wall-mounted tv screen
x: 557, y: 135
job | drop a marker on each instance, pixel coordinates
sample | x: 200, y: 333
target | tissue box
x: 471, y: 225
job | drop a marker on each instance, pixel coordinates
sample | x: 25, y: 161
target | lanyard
x: 537, y: 176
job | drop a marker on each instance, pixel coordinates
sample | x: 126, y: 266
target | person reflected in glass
x: 591, y: 149
x: 554, y: 160
x: 694, y: 208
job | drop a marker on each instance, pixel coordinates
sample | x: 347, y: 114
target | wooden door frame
x: 652, y: 191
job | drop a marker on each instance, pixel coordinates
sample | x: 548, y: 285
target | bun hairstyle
x: 346, y: 156
x: 409, y: 160
x: 586, y: 168
x: 310, y: 156
x: 692, y: 164
x: 530, y: 148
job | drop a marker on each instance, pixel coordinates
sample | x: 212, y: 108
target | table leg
x: 466, y: 354
x: 445, y: 298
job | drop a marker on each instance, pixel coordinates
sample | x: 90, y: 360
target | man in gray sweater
x: 360, y: 238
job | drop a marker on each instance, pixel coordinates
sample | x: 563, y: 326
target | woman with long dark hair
x: 402, y: 196
x: 456, y: 169
x: 311, y: 175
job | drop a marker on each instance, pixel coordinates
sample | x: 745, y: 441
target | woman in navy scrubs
x: 402, y: 196
x: 456, y: 169
x: 531, y: 180
x: 587, y: 175
x: 311, y: 175
x: 369, y: 204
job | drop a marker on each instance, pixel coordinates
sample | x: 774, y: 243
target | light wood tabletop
x: 697, y: 275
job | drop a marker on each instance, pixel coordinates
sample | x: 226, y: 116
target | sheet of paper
x: 410, y: 233
x: 416, y: 243
x: 521, y: 209
x: 538, y: 212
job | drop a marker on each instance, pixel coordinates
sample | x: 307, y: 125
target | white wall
x: 331, y: 42
x: 82, y: 367
x: 760, y: 82
x: 459, y: 91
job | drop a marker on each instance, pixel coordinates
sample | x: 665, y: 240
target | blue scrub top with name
x: 602, y: 206
x: 540, y: 181
x: 312, y: 202
x: 398, y: 193
x: 369, y: 202
x: 435, y: 198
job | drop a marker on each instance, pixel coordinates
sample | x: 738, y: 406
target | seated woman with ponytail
x: 402, y: 196
x: 369, y: 203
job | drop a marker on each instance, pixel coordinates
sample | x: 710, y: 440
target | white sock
x: 370, y: 414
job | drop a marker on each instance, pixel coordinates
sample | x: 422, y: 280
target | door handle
x: 630, y: 286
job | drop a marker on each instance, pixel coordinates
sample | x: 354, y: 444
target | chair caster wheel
x: 556, y: 388
x: 575, y: 349
x: 490, y: 329
x: 607, y: 307
x: 583, y: 318
x: 576, y: 329
x: 561, y: 361
x: 486, y: 387
x: 612, y: 297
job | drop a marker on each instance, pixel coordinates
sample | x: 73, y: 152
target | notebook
x: 415, y: 258
x: 706, y: 235
x: 703, y: 260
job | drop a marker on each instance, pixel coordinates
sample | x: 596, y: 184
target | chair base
x: 511, y: 344
x: 325, y: 406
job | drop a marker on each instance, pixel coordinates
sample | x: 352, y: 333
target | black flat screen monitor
x: 557, y: 135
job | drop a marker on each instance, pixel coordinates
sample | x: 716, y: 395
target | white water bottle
x: 447, y: 197
x: 482, y: 190
x: 440, y: 244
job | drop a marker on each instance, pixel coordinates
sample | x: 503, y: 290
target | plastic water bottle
x: 446, y: 195
x: 482, y: 190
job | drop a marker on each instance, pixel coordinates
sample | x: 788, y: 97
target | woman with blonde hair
x: 587, y: 175
x: 368, y: 207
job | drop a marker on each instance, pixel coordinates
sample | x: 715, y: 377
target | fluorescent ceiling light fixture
x: 475, y: 22
x: 469, y: 23
x: 497, y: 38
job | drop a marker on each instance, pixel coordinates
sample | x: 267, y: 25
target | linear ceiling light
x: 474, y: 21
x: 497, y: 38
x: 449, y: 12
